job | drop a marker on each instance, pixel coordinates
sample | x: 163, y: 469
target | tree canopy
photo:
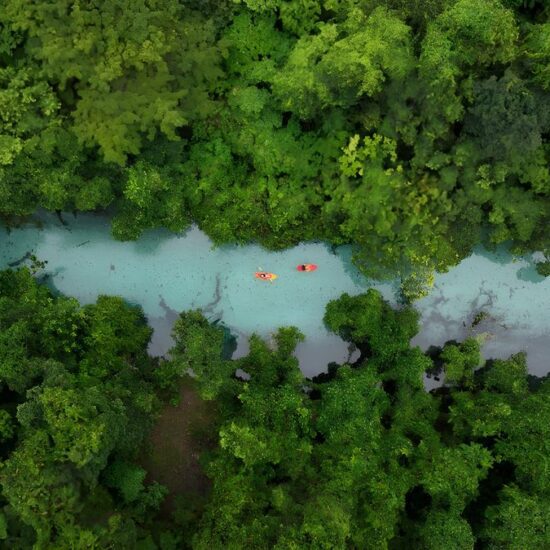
x: 413, y: 130
x: 363, y: 457
x: 359, y: 457
x: 77, y: 400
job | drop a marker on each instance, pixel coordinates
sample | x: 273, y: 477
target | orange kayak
x: 265, y: 276
x: 306, y: 267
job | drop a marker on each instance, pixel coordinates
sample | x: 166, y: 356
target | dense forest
x: 413, y: 129
x: 360, y: 457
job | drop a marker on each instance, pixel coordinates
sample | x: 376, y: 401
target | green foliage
x: 365, y: 458
x: 504, y: 119
x: 80, y: 392
x: 27, y: 108
x: 518, y: 521
x: 538, y: 53
x: 469, y: 34
x: 369, y: 321
x: 411, y: 129
x: 198, y: 350
x: 543, y: 268
x: 7, y: 428
x: 444, y: 530
x: 460, y: 361
x: 126, y: 478
x: 360, y: 457
x: 481, y: 32
x: 508, y: 376
x: 454, y: 477
x: 328, y: 69
x: 136, y: 69
x: 416, y: 285
x: 147, y: 203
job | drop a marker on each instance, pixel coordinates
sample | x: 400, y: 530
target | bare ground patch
x: 181, y: 434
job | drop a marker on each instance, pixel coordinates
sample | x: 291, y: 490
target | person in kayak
x: 306, y: 267
x: 265, y: 276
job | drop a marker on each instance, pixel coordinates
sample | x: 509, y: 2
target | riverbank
x: 166, y: 273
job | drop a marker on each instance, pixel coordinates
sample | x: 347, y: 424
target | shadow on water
x: 151, y: 241
x: 529, y: 274
x: 230, y: 340
x: 15, y: 251
x: 499, y: 255
x: 161, y: 339
x: 345, y: 254
x: 47, y: 279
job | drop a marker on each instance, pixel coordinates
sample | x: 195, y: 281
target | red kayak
x: 306, y: 267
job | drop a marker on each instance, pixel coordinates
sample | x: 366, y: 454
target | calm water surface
x: 166, y: 274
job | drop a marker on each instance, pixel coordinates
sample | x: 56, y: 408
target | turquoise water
x: 165, y: 274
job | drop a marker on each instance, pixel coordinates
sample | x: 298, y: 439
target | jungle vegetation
x: 359, y: 457
x: 413, y: 129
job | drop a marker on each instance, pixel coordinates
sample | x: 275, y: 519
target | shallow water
x: 166, y: 274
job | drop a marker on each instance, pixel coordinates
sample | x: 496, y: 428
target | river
x: 166, y: 273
